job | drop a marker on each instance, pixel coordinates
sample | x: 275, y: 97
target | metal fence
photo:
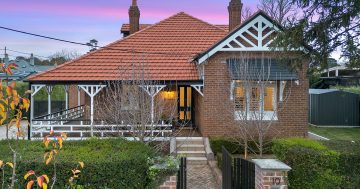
x: 237, y: 173
x: 181, y: 175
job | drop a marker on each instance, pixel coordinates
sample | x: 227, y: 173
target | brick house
x: 194, y: 65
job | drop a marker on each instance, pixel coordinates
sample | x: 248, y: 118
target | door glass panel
x: 188, y: 99
x: 182, y: 116
x: 182, y: 99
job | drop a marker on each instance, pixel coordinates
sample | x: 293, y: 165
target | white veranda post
x: 34, y: 89
x: 152, y: 91
x: 79, y: 96
x: 49, y: 90
x: 66, y: 88
x: 92, y: 91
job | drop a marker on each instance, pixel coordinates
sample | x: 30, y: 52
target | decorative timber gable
x: 255, y: 34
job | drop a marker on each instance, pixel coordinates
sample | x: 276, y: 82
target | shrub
x: 114, y: 163
x: 313, y: 164
x: 234, y: 147
x: 349, y: 161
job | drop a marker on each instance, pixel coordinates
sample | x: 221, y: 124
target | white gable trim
x: 260, y: 20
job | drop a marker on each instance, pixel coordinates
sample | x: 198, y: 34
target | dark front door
x: 185, y: 105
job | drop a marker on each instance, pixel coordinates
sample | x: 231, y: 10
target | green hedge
x: 112, y: 163
x: 320, y: 164
x: 234, y: 147
x: 349, y: 161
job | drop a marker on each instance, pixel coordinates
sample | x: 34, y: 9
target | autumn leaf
x: 64, y: 135
x: 26, y: 103
x: 51, y: 132
x: 46, y: 178
x: 40, y: 181
x: 9, y: 91
x: 29, y: 173
x: 44, y: 186
x: 10, y: 164
x: 1, y: 163
x: 12, y: 105
x: 49, y: 158
x: 81, y: 164
x: 75, y: 172
x: 60, y: 141
x: 29, y: 184
x: 2, y: 107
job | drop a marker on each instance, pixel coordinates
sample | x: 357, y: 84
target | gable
x: 255, y: 34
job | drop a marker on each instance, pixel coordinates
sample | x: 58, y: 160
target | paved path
x: 12, y: 132
x: 200, y: 177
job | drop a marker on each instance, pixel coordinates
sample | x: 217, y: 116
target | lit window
x: 255, y: 100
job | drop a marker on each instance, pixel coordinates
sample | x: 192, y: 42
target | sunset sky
x: 83, y: 20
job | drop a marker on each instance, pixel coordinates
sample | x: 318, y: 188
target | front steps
x: 193, y: 148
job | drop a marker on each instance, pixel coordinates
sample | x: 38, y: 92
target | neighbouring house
x: 339, y: 75
x: 334, y: 108
x: 192, y: 64
x: 24, y: 68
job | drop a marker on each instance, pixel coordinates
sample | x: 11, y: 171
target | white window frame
x: 260, y: 115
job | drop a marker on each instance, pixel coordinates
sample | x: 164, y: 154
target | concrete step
x: 190, y: 147
x: 192, y: 153
x: 196, y: 160
x: 189, y: 140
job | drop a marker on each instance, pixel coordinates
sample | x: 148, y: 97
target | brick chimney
x: 234, y: 8
x: 134, y: 17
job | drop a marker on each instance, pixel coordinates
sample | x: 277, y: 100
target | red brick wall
x: 217, y: 119
x: 73, y: 96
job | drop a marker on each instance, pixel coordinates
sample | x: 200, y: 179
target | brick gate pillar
x: 270, y: 174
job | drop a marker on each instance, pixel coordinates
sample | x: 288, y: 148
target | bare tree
x: 255, y: 100
x: 246, y: 13
x: 279, y: 10
x: 63, y: 56
x: 137, y: 103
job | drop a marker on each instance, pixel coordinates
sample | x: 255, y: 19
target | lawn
x: 337, y: 133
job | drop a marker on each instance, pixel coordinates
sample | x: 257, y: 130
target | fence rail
x: 79, y: 129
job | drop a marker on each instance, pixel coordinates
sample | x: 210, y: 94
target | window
x: 255, y: 100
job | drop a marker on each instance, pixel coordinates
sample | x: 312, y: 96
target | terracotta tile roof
x: 163, y: 51
x: 126, y: 27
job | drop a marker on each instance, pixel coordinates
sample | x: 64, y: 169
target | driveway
x: 12, y: 132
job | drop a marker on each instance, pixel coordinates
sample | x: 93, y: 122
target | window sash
x: 257, y: 100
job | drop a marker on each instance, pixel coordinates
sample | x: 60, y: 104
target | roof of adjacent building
x: 24, y: 69
x: 321, y: 91
x: 163, y: 51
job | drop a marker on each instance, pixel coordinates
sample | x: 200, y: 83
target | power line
x: 27, y: 53
x: 86, y: 44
